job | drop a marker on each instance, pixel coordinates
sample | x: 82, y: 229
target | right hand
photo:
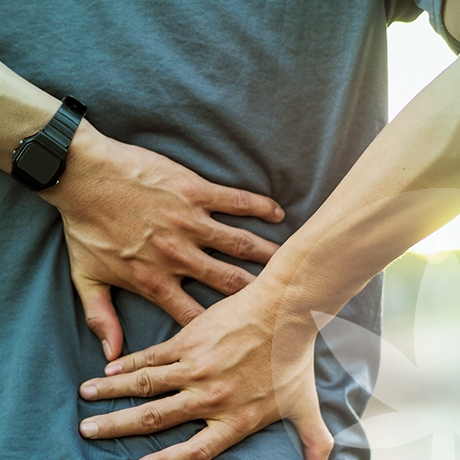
x: 243, y: 364
x: 137, y: 220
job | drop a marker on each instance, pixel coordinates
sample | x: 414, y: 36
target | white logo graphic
x: 424, y: 395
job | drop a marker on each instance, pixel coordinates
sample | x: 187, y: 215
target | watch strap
x: 40, y: 160
x: 63, y: 125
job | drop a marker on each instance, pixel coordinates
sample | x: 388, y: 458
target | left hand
x: 226, y: 373
x: 135, y: 219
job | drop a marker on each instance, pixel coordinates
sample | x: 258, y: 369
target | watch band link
x: 63, y: 125
x: 40, y: 160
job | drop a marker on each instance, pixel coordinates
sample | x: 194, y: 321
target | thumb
x: 315, y: 436
x: 101, y: 316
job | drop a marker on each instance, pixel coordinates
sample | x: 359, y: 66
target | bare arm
x: 133, y: 218
x: 452, y: 17
x: 404, y: 186
x: 25, y: 109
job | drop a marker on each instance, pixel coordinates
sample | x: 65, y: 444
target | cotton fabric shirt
x: 277, y: 97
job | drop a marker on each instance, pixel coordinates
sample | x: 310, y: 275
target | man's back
x: 279, y: 98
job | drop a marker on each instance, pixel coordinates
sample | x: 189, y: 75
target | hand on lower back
x: 137, y: 220
x: 226, y: 368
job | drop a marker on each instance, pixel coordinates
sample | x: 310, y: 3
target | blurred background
x: 416, y: 56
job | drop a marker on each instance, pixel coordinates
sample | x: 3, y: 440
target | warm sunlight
x: 412, y: 414
x: 416, y: 56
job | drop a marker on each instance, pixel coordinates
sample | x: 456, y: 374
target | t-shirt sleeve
x: 434, y: 9
x: 401, y: 11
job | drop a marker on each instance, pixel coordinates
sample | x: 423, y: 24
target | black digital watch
x: 40, y: 160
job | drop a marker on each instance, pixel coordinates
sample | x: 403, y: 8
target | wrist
x: 40, y: 160
x: 30, y: 120
x: 26, y: 109
x: 284, y: 305
x: 270, y: 308
x: 82, y: 156
x: 315, y: 278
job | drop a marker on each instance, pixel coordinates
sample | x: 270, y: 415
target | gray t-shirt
x: 276, y: 97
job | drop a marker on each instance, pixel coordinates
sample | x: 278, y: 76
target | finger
x: 159, y: 355
x: 205, y: 445
x: 148, y: 418
x: 315, y: 436
x: 101, y: 316
x: 240, y: 244
x: 182, y: 307
x: 221, y: 276
x: 242, y: 203
x: 144, y: 383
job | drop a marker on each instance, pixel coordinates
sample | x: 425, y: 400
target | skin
x: 404, y: 187
x: 319, y: 268
x: 135, y: 219
x: 452, y: 17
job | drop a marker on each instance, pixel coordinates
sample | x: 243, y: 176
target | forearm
x: 452, y: 17
x: 25, y: 109
x: 133, y: 218
x: 402, y: 189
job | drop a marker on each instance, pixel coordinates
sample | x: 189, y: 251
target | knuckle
x: 242, y: 203
x: 216, y: 397
x: 149, y: 358
x: 144, y: 384
x: 168, y: 249
x: 193, y: 223
x: 94, y: 322
x: 198, y: 373
x: 244, y: 245
x: 190, y: 409
x: 187, y: 316
x: 322, y: 443
x: 187, y: 345
x: 246, y: 420
x: 191, y: 190
x: 233, y: 281
x: 327, y: 445
x: 135, y: 362
x: 77, y: 275
x: 149, y: 283
x: 152, y: 419
x: 200, y: 451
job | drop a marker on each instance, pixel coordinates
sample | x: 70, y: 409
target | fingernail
x: 89, y: 429
x: 88, y: 391
x: 113, y: 369
x: 279, y: 213
x: 107, y: 349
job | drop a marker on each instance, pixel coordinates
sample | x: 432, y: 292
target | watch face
x: 38, y: 163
